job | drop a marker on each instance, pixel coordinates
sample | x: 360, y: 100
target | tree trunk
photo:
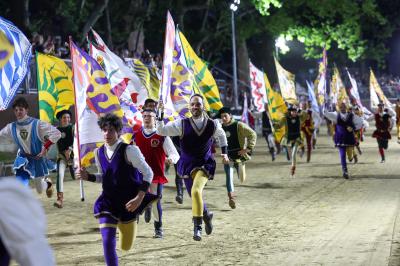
x: 108, y: 23
x: 94, y: 16
x: 243, y: 63
x: 26, y: 14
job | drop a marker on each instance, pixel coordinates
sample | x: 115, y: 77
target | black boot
x: 272, y: 151
x: 197, y: 221
x: 179, y: 190
x: 147, y: 214
x: 207, y: 218
x: 158, y: 231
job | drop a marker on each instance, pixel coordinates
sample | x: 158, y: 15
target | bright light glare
x: 233, y: 7
x: 236, y: 2
x: 280, y: 43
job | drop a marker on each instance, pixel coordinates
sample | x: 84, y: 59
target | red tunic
x: 382, y: 124
x: 152, y: 149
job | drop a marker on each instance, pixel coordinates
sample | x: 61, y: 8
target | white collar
x: 112, y: 147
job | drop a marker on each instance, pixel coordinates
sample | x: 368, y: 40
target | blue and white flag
x: 15, y: 54
x: 311, y: 97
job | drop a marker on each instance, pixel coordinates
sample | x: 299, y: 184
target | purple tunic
x: 195, y: 147
x: 342, y: 136
x: 121, y: 183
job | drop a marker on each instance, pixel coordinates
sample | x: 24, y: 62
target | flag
x: 118, y: 73
x: 148, y: 76
x: 93, y: 97
x: 204, y: 81
x: 286, y: 84
x: 340, y: 94
x: 15, y: 54
x: 311, y: 97
x: 258, y: 91
x: 276, y: 108
x: 320, y: 82
x: 56, y: 91
x: 356, y: 95
x: 167, y: 68
x: 377, y: 94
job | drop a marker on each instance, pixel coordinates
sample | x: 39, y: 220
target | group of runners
x: 133, y: 175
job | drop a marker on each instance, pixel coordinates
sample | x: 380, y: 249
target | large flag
x: 312, y: 98
x: 204, y: 81
x: 276, y: 108
x: 93, y: 96
x: 286, y: 84
x: 320, y: 82
x: 131, y: 92
x: 167, y: 68
x: 339, y: 89
x: 15, y: 54
x: 56, y: 91
x: 258, y: 91
x: 377, y: 94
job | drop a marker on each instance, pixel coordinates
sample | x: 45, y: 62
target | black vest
x: 293, y: 126
x: 232, y: 136
x: 67, y: 138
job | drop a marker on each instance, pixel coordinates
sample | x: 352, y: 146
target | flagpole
x: 160, y: 92
x: 82, y: 191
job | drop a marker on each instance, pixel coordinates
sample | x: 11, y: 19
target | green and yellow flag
x: 56, y: 91
x: 204, y: 81
x: 276, y: 108
x: 148, y: 77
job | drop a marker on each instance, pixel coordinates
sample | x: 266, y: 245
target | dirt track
x: 317, y: 218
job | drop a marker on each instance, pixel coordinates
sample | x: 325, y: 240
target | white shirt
x: 23, y: 225
x: 44, y: 129
x: 133, y: 156
x: 174, y: 128
x: 357, y: 120
x: 168, y: 146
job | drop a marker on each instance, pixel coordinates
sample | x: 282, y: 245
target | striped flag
x: 147, y: 75
x: 15, y: 54
x: 55, y: 87
x: 356, y: 95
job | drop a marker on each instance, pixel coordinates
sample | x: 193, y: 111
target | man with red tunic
x: 382, y: 132
x: 156, y: 150
x: 307, y: 130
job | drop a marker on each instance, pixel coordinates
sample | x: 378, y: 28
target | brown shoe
x: 231, y: 200
x: 292, y: 170
x: 50, y: 189
x: 60, y: 199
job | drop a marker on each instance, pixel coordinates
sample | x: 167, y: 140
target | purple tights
x: 342, y: 154
x: 108, y: 234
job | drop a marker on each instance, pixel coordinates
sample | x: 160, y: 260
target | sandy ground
x: 316, y: 218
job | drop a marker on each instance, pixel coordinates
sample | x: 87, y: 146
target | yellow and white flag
x: 286, y: 84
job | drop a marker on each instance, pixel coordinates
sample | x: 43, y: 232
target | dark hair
x: 148, y: 110
x: 149, y: 100
x: 110, y: 120
x: 20, y: 102
x: 198, y: 95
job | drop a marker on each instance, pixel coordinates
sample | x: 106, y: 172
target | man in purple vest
x: 345, y: 124
x: 196, y: 164
x: 124, y: 196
